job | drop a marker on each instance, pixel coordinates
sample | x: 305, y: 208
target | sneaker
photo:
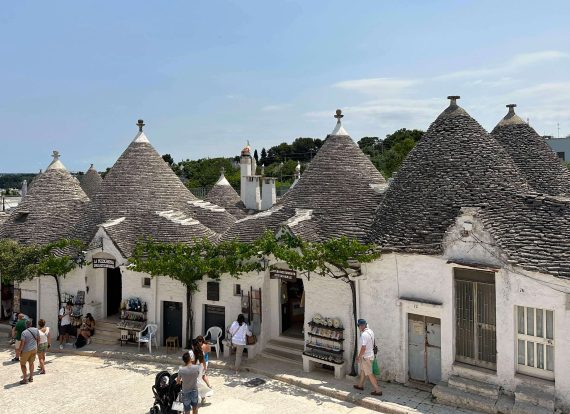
x: 15, y: 359
x: 61, y: 346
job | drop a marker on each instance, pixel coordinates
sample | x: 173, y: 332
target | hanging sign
x: 103, y: 263
x: 285, y: 274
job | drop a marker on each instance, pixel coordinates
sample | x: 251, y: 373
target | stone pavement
x: 396, y: 399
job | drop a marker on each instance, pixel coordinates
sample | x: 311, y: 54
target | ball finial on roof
x: 453, y: 99
x: 338, y: 129
x: 338, y: 115
x: 55, y: 155
x: 140, y: 124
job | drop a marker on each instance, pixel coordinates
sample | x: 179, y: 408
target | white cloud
x: 275, y: 108
x: 375, y: 86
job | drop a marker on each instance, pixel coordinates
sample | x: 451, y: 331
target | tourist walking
x: 204, y: 389
x: 366, y: 357
x: 28, y: 351
x: 65, y: 328
x: 239, y: 330
x: 188, y: 375
x: 205, y: 347
x: 43, y: 345
x: 17, y: 334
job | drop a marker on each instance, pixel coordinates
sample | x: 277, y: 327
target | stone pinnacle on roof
x: 56, y: 164
x: 141, y: 137
x: 511, y: 118
x: 222, y: 180
x: 91, y: 181
x: 453, y: 109
x: 339, y: 129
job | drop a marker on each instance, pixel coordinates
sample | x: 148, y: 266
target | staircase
x: 285, y: 349
x: 534, y: 398
x: 106, y: 333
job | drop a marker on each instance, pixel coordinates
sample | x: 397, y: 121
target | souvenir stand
x: 324, y: 345
x: 133, y: 319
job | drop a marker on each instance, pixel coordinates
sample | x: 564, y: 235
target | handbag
x: 250, y: 340
x: 177, y: 404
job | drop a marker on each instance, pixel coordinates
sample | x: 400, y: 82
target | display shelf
x: 325, y: 358
x: 330, y: 328
x: 326, y: 337
x: 320, y: 348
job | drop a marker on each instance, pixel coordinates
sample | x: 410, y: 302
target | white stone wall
x: 398, y: 284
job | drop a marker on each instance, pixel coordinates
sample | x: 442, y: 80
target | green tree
x: 168, y: 158
x: 24, y: 262
x: 396, y: 147
x: 206, y: 171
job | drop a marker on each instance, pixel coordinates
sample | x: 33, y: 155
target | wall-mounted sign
x: 103, y: 263
x: 285, y: 274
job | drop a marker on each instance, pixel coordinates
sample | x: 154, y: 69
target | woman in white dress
x: 203, y: 390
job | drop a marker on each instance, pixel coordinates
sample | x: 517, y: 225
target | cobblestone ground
x: 95, y: 385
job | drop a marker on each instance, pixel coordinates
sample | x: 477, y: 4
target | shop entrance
x: 292, y: 308
x: 114, y: 291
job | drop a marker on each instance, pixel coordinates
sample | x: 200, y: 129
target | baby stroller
x: 165, y: 390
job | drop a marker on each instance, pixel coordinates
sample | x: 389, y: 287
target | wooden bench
x: 309, y: 365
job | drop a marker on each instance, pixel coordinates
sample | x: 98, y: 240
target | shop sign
x: 285, y: 274
x: 103, y: 263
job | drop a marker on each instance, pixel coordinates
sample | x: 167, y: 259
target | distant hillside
x: 14, y: 180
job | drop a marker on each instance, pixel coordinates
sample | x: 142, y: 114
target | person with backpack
x: 239, y: 330
x: 28, y: 350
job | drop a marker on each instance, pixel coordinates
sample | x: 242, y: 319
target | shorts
x: 42, y: 347
x: 29, y: 356
x: 190, y: 399
x: 67, y: 329
x: 366, y: 365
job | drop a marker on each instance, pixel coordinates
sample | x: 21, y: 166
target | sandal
x: 42, y: 372
x: 30, y: 379
x: 23, y: 382
x: 358, y: 388
x: 376, y: 393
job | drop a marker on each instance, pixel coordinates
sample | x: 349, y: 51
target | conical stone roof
x: 542, y: 169
x: 91, y: 181
x: 142, y: 185
x: 224, y: 195
x: 336, y: 196
x: 51, y: 210
x: 456, y: 164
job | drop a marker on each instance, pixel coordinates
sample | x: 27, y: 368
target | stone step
x: 475, y: 387
x: 526, y: 408
x: 104, y: 340
x: 535, y: 396
x: 282, y: 356
x: 464, y: 399
x: 472, y: 372
x: 291, y: 347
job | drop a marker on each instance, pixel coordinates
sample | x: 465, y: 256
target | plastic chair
x: 215, y: 333
x: 151, y: 330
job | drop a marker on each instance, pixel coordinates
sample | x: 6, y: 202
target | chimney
x: 268, y: 192
x: 251, y: 192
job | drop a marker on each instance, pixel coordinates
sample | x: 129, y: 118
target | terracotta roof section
x: 138, y: 187
x: 91, y: 181
x: 52, y: 209
x: 341, y: 187
x: 224, y: 195
x: 456, y: 164
x: 541, y: 167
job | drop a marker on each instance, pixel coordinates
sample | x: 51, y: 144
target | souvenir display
x: 325, y: 339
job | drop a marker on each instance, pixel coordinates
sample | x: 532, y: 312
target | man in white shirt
x: 365, y: 358
x: 65, y: 328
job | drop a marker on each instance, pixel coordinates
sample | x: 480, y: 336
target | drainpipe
x: 352, y: 284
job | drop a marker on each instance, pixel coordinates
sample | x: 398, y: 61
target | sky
x: 206, y: 76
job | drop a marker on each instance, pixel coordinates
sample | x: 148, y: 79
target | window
x: 535, y: 341
x: 561, y: 155
x: 146, y: 282
x: 213, y: 291
x: 475, y: 319
x: 237, y: 289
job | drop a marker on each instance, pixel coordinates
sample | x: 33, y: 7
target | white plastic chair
x: 151, y: 330
x: 215, y: 333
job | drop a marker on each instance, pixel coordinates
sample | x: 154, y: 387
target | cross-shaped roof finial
x: 338, y: 115
x: 55, y: 155
x: 140, y: 124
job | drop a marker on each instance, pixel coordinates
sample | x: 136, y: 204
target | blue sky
x: 208, y: 75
